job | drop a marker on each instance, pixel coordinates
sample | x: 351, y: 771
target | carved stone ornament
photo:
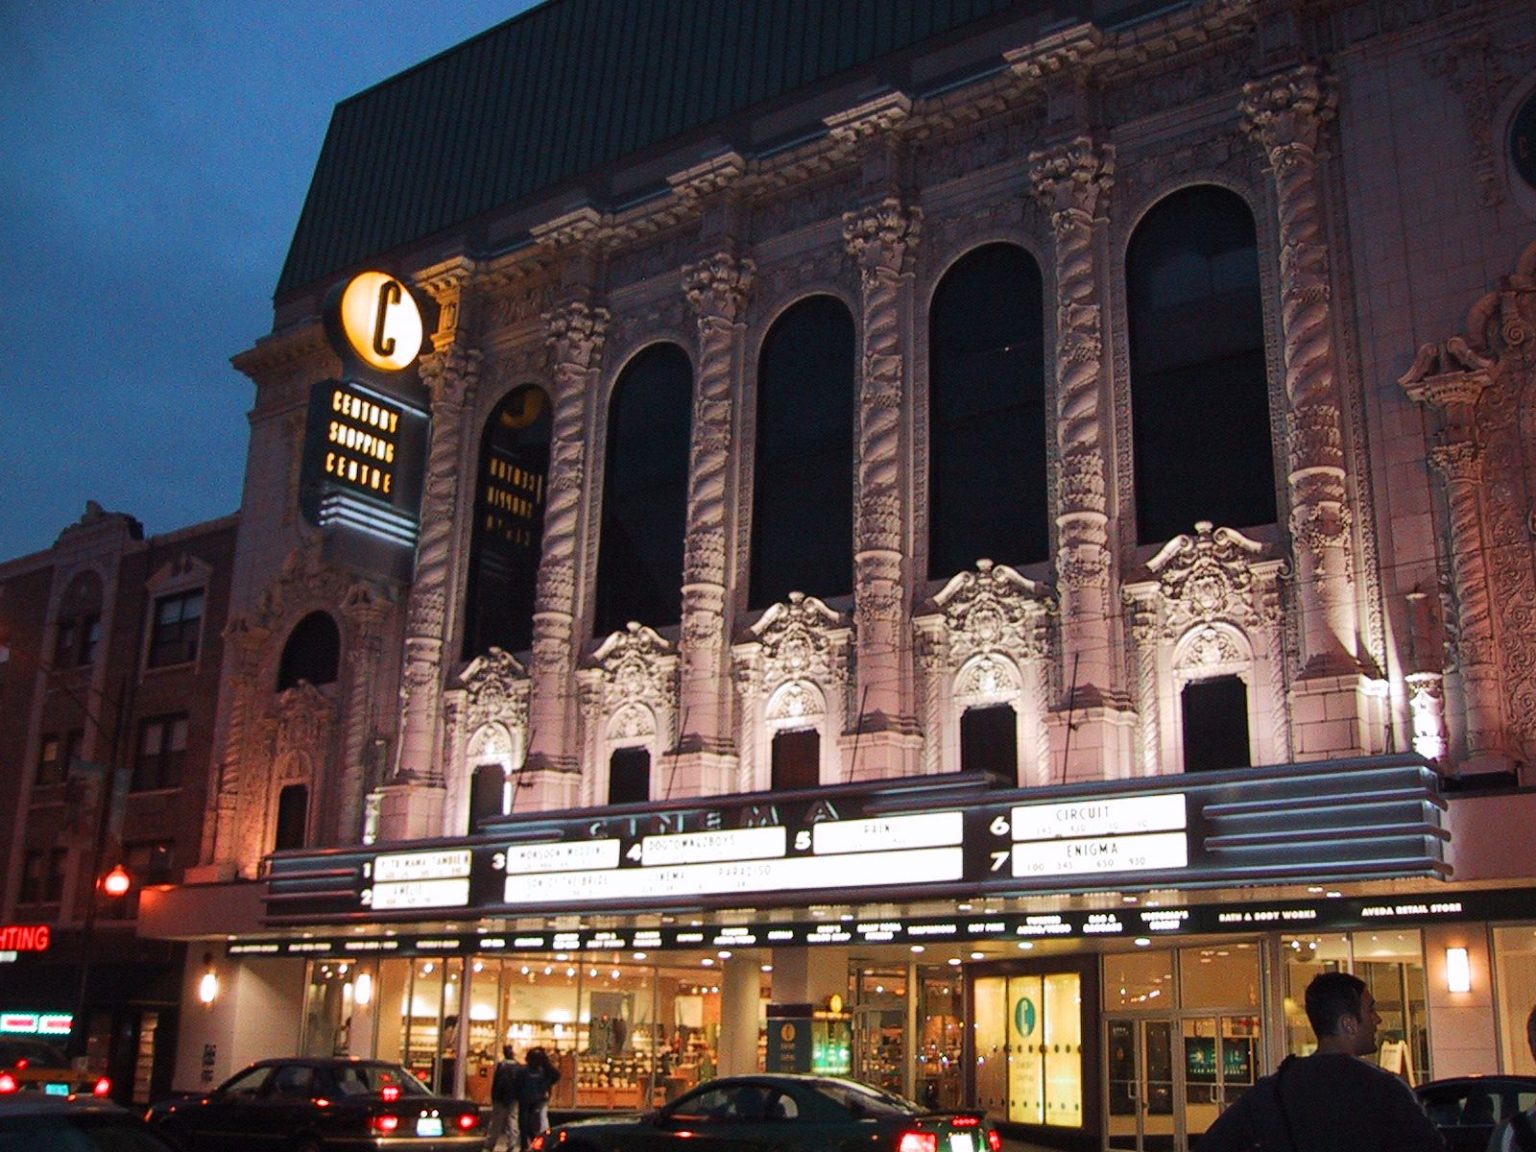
x: 637, y: 666
x: 990, y: 610
x: 496, y: 691
x: 801, y: 639
x: 301, y: 718
x: 1207, y: 577
x: 880, y: 237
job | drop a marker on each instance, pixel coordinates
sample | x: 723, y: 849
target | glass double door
x: 1168, y: 1078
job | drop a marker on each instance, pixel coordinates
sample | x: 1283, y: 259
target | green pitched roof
x: 568, y: 87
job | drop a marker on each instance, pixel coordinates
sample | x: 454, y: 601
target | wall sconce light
x: 1458, y: 970
x: 116, y: 882
x: 362, y: 990
x: 208, y: 986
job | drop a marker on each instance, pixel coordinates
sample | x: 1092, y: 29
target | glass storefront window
x: 1029, y: 1051
x: 880, y: 1027
x: 1219, y: 976
x: 1140, y: 980
x: 1514, y: 951
x: 941, y: 1014
x: 1063, y: 1049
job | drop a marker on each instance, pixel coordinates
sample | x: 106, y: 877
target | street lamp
x: 116, y: 882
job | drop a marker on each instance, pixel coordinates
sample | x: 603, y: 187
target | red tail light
x: 994, y: 1140
x: 102, y: 1087
x: 21, y: 1065
x: 7, y: 1084
x: 918, y: 1142
x: 965, y: 1121
x: 468, y: 1121
x: 390, y: 1093
x: 385, y: 1124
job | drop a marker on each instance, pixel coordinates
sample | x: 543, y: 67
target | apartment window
x: 177, y: 627
x: 148, y: 862
x: 796, y: 759
x: 74, y: 749
x: 53, y: 879
x: 90, y: 639
x: 629, y: 776
x: 50, y: 760
x: 32, y: 872
x: 1215, y: 724
x: 162, y: 752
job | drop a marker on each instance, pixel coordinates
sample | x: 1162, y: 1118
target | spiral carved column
x: 1072, y: 181
x: 408, y: 813
x: 717, y: 287
x: 880, y: 239
x: 575, y: 334
x: 1284, y: 114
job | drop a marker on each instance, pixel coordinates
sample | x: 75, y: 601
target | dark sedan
x: 320, y: 1105
x: 780, y: 1114
x: 37, y: 1122
x: 1466, y: 1109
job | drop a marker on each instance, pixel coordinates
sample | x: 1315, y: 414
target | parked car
x: 38, y: 1122
x: 319, y: 1104
x: 30, y: 1065
x: 1466, y: 1109
x: 769, y: 1113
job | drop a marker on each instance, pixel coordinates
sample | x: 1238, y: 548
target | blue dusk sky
x: 154, y: 156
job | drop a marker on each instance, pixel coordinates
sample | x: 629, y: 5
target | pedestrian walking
x: 505, y: 1079
x: 539, y: 1076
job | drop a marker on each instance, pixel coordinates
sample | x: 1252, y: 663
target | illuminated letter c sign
x: 381, y: 321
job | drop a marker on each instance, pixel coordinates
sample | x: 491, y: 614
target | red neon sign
x: 25, y: 937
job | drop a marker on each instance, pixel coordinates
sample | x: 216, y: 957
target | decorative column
x: 1284, y: 114
x: 365, y: 612
x: 1451, y: 380
x: 717, y: 288
x: 220, y: 855
x: 411, y: 806
x: 575, y: 332
x: 880, y: 239
x: 1093, y: 722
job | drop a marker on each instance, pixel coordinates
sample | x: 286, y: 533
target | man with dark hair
x: 1331, y: 1101
x: 1518, y: 1132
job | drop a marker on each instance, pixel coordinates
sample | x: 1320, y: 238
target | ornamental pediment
x: 1208, y: 576
x: 993, y: 609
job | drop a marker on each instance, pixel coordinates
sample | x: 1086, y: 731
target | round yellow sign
x: 381, y: 321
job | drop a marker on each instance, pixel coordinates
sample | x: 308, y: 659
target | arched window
x: 292, y: 817
x: 312, y: 653
x: 1199, y: 390
x: 987, y: 427
x: 802, y: 493
x: 488, y: 792
x: 1215, y: 724
x: 989, y: 742
x: 796, y: 759
x: 79, y: 626
x: 509, y: 524
x: 645, y: 492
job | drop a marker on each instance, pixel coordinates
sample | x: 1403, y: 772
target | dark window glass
x: 987, y: 432
x: 313, y: 652
x: 90, y: 638
x: 1215, y: 724
x: 629, y: 776
x: 1199, y: 391
x: 162, y: 752
x: 509, y: 524
x: 32, y: 877
x: 177, y: 626
x: 802, y: 496
x: 74, y: 749
x: 989, y: 741
x: 796, y: 759
x: 53, y: 883
x: 147, y: 862
x: 50, y: 760
x: 64, y: 644
x: 292, y: 817
x: 487, y: 788
x: 645, y: 492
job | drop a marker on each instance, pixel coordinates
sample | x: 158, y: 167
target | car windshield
x: 863, y: 1100
x: 373, y: 1079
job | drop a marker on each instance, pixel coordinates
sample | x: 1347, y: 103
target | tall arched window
x: 802, y: 494
x: 645, y: 492
x: 1199, y: 390
x: 987, y: 427
x: 509, y: 524
x: 313, y: 652
x: 292, y: 818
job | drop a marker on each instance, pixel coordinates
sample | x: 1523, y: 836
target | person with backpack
x: 538, y: 1079
x: 505, y: 1081
x: 1331, y: 1101
x: 1518, y: 1133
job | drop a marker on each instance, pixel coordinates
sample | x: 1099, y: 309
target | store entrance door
x: 1139, y: 1113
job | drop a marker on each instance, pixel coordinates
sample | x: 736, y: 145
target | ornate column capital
x: 574, y: 332
x: 880, y: 236
x: 1285, y: 112
x: 451, y: 374
x: 1459, y: 461
x: 718, y: 285
x: 1072, y: 179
